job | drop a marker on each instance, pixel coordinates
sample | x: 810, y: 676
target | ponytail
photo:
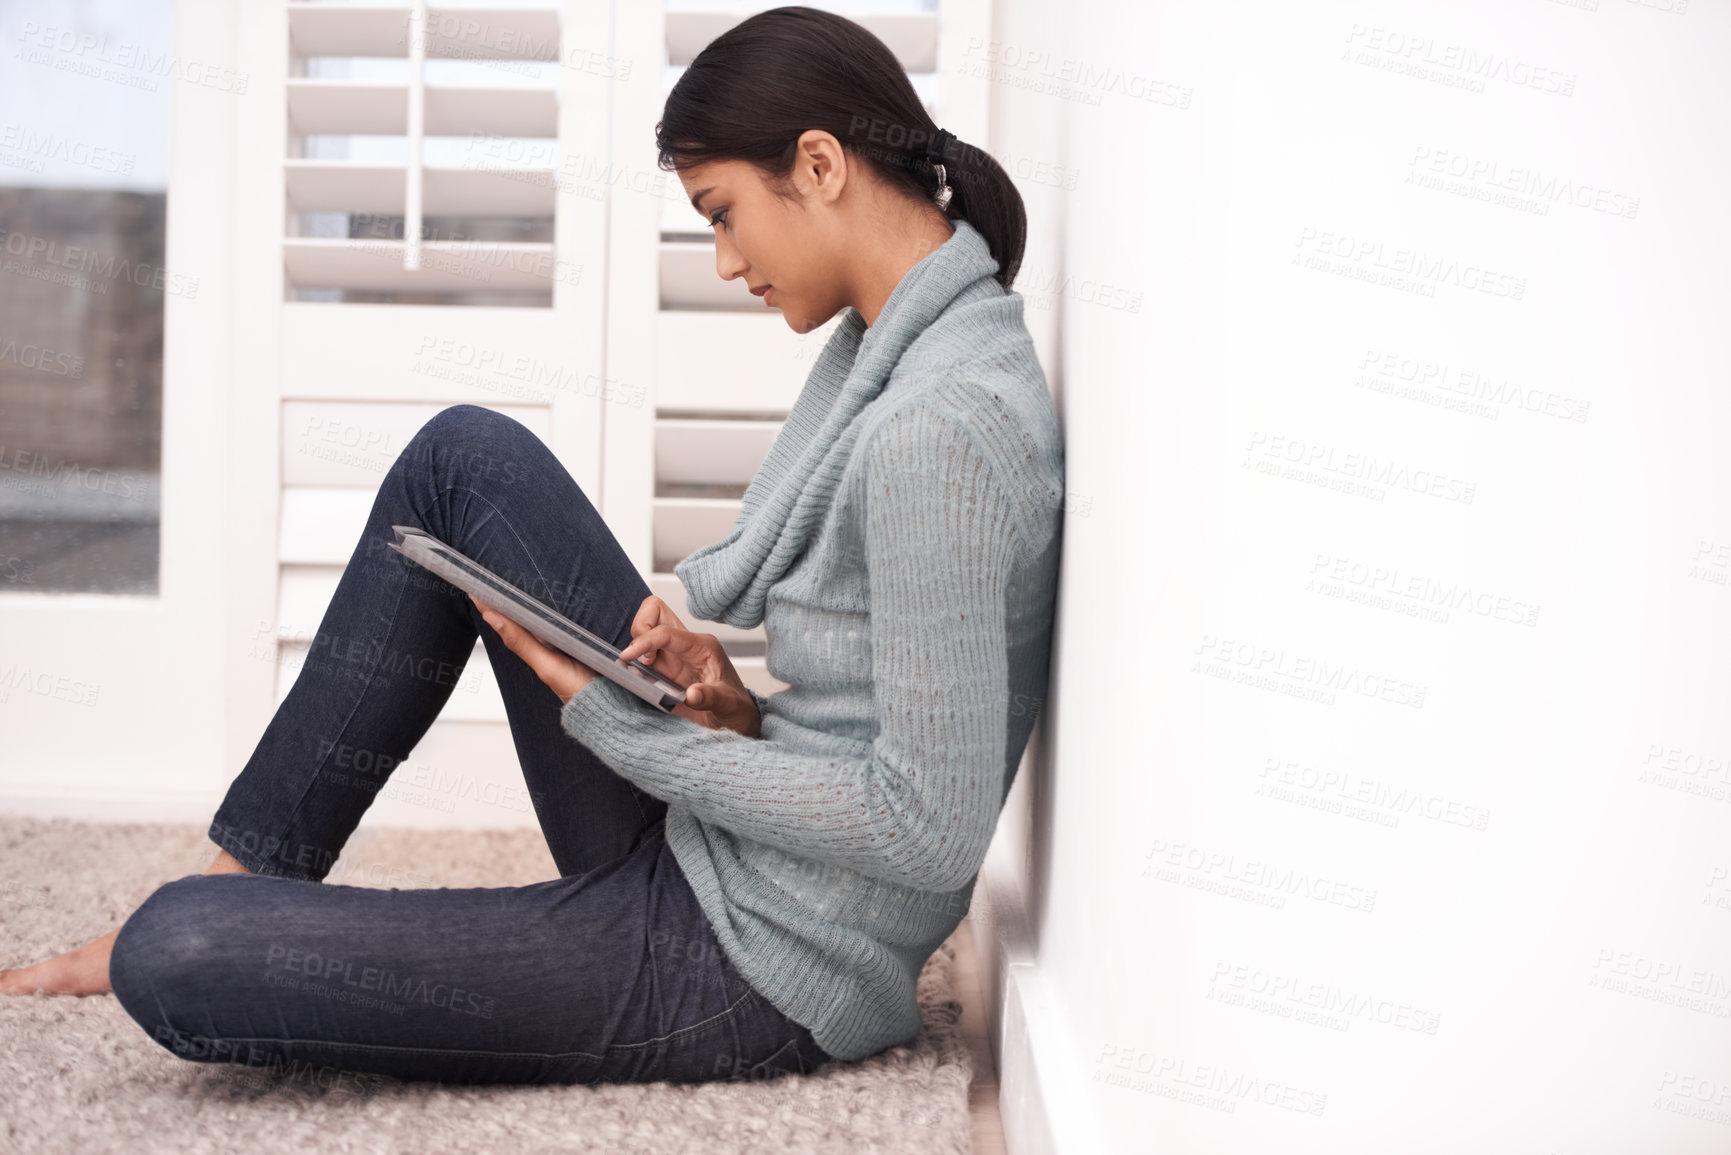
x: 982, y: 194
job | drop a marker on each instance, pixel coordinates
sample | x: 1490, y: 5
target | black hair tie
x: 940, y: 144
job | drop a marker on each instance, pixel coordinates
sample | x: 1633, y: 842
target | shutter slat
x: 697, y: 451
x: 452, y: 33
x: 342, y: 186
x: 446, y: 266
x: 491, y: 191
x: 453, y: 111
x: 682, y: 524
x: 348, y: 107
x: 316, y: 186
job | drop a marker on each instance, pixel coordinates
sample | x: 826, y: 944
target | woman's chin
x: 800, y: 322
x: 795, y: 318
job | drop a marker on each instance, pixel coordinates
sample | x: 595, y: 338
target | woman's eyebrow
x: 701, y: 193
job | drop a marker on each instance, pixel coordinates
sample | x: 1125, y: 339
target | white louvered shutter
x: 472, y: 124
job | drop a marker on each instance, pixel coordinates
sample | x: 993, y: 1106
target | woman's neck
x: 890, y: 263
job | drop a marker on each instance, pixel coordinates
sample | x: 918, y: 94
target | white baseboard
x: 1042, y: 1098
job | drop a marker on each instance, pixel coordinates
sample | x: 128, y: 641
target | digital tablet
x: 540, y: 619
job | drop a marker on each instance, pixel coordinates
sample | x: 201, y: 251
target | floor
x: 987, y: 1125
x: 79, y: 1075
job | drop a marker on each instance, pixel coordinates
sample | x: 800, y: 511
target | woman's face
x: 785, y: 246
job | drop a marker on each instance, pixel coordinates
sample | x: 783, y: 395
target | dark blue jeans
x: 609, y: 973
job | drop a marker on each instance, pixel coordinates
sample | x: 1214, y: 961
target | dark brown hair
x: 755, y: 88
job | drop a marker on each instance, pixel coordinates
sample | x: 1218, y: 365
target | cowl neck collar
x: 791, y: 492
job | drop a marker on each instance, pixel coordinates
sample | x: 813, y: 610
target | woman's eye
x: 719, y: 218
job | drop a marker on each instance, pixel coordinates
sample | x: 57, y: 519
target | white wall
x: 1319, y: 866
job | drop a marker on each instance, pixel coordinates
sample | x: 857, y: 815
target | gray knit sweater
x: 900, y: 545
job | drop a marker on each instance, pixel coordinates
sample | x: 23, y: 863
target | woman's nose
x: 728, y: 263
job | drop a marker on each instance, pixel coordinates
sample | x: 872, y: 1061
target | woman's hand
x: 714, y: 695
x: 564, y: 674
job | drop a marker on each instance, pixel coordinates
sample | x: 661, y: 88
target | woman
x: 751, y: 885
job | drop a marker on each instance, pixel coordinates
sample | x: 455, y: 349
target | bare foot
x: 84, y: 970
x: 81, y: 971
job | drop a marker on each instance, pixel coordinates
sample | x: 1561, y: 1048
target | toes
x: 13, y: 982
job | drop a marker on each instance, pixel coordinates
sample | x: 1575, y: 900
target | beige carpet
x: 78, y: 1075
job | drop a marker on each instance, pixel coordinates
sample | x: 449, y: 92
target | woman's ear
x: 820, y: 166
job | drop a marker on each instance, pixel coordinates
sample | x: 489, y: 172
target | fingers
x: 560, y: 673
x: 697, y: 649
x: 708, y: 696
x: 509, y: 631
x: 654, y: 612
x: 721, y: 706
x: 518, y: 640
x: 645, y: 644
x: 727, y: 703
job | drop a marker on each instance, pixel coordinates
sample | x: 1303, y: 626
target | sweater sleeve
x: 919, y: 809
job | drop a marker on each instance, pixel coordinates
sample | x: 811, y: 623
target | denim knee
x: 157, y: 953
x: 454, y: 422
x: 467, y: 444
